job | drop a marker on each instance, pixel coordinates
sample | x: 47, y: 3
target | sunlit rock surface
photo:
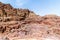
x: 23, y: 24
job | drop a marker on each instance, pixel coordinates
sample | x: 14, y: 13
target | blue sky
x: 40, y: 7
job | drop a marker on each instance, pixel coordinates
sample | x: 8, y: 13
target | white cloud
x: 16, y: 3
x: 5, y: 1
x: 19, y: 3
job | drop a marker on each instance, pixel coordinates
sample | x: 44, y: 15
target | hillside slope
x: 18, y: 24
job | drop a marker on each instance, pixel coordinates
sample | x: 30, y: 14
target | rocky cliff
x: 23, y: 24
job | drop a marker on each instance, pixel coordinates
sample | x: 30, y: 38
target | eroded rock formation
x: 18, y: 24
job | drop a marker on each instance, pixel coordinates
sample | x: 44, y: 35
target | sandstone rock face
x: 23, y: 24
